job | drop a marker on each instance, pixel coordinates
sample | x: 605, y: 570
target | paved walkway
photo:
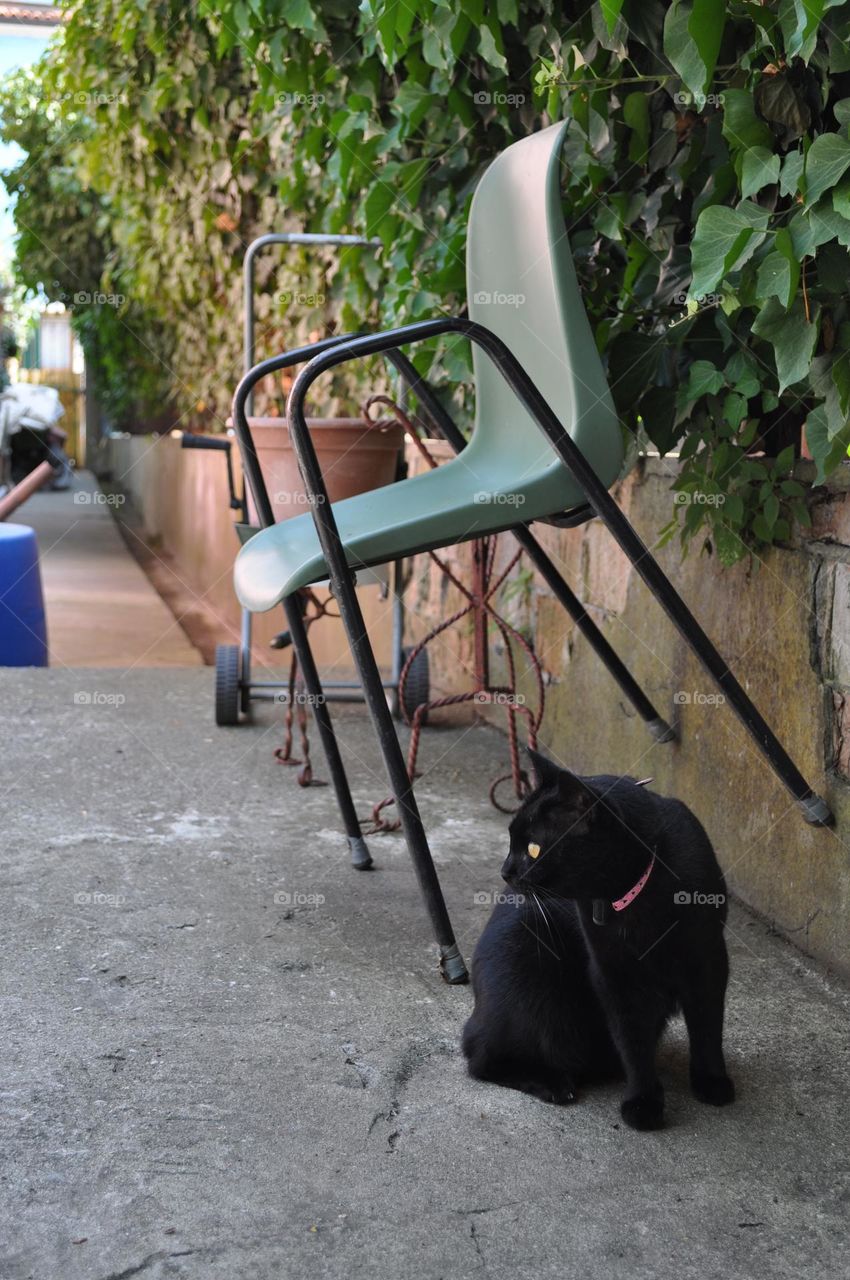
x: 228, y: 1055
x: 101, y: 609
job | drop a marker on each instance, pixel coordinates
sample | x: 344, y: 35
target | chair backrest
x: 521, y: 284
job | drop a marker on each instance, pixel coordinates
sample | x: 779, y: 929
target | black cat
x: 614, y: 922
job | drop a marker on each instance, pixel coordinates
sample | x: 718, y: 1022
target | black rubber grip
x: 189, y: 441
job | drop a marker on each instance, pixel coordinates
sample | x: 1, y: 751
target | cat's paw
x: 717, y: 1091
x: 564, y: 1094
x: 560, y: 1095
x: 645, y: 1111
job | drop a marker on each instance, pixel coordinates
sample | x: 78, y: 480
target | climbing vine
x: 706, y: 188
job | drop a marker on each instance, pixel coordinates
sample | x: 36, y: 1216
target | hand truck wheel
x: 228, y: 664
x: 417, y: 686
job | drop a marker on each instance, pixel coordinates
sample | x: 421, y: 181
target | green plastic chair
x: 546, y: 444
x: 521, y: 283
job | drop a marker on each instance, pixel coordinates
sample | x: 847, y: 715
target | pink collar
x: 628, y: 898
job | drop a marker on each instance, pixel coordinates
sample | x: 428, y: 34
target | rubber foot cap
x: 361, y: 858
x: 661, y: 730
x: 452, y: 968
x: 816, y: 811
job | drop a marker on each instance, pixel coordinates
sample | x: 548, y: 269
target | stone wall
x: 782, y: 623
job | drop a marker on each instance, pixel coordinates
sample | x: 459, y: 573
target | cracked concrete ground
x: 204, y: 1078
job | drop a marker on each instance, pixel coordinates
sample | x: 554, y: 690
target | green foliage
x: 712, y: 227
x: 706, y: 184
x: 64, y: 250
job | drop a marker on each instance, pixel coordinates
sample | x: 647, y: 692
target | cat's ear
x: 573, y: 794
x: 576, y: 796
x: 546, y: 772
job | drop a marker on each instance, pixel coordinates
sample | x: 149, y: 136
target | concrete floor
x: 204, y: 1079
x: 102, y: 610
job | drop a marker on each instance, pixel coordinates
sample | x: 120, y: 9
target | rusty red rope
x: 295, y: 706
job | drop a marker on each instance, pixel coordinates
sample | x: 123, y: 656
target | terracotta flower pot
x: 354, y: 455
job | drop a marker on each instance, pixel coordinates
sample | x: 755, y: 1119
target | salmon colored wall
x: 181, y: 499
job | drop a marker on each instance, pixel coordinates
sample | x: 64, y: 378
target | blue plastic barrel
x: 23, y: 629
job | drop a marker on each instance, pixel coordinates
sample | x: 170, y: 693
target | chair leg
x: 360, y: 856
x: 814, y: 809
x: 449, y: 430
x: 452, y: 966
x: 656, y: 724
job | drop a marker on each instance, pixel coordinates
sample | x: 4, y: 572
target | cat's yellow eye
x: 534, y: 851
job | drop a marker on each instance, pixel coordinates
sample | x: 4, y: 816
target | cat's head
x: 567, y: 837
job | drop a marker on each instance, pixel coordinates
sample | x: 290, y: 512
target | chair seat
x: 466, y: 498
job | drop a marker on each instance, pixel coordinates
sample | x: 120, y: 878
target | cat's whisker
x: 552, y: 894
x: 537, y: 903
x: 545, y: 915
x: 533, y: 931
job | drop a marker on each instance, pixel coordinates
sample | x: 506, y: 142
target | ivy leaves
x: 827, y: 430
x: 779, y: 272
x: 759, y: 168
x: 693, y: 30
x: 769, y: 257
x: 792, y: 337
x: 826, y: 161
x: 724, y: 240
x: 706, y: 187
x: 799, y: 20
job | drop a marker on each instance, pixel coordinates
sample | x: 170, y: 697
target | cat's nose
x: 509, y: 869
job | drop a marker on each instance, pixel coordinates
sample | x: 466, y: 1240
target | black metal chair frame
x: 327, y: 354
